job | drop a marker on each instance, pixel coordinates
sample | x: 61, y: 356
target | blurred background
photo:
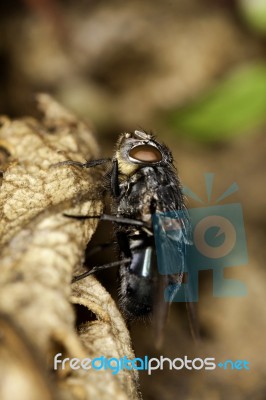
x: 194, y: 73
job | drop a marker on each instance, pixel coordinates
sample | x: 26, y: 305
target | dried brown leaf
x: 40, y: 248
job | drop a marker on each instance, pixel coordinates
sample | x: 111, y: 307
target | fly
x: 145, y: 188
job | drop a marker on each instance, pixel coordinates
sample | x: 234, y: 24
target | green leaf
x: 234, y: 106
x: 254, y: 13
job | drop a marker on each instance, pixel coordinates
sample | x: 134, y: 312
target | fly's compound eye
x: 145, y: 153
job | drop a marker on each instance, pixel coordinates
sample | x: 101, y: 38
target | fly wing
x: 171, y: 234
x: 172, y: 237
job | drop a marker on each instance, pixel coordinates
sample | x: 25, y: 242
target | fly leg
x: 112, y: 218
x: 87, y: 164
x: 92, y: 270
x: 118, y: 220
x: 100, y: 267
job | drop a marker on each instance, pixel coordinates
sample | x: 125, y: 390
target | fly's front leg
x: 87, y: 164
x: 101, y: 267
x: 111, y: 218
